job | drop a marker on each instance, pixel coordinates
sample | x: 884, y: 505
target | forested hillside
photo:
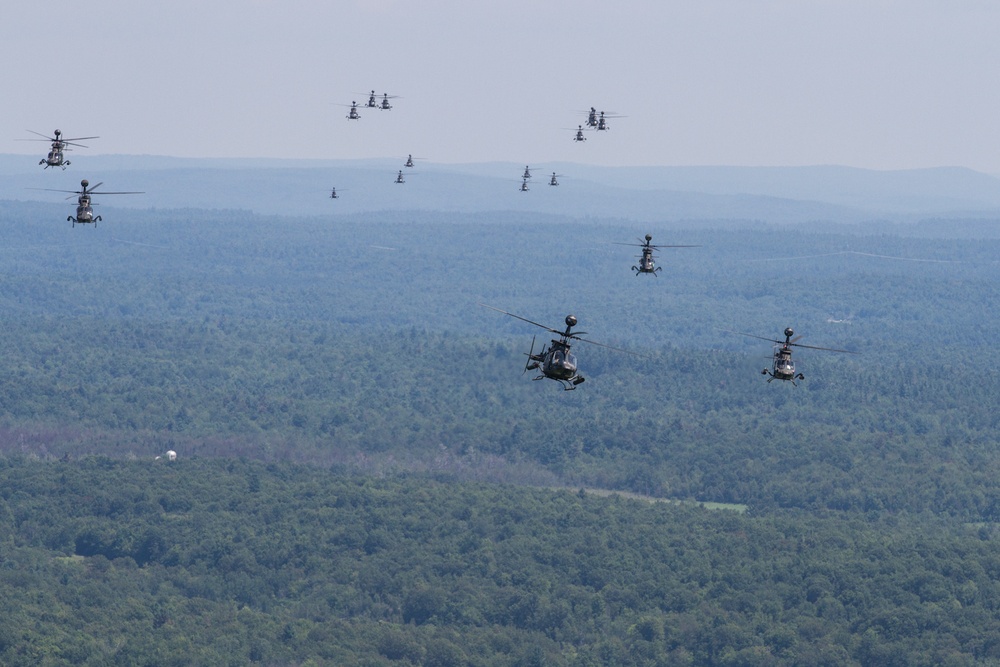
x: 355, y: 346
x: 235, y: 562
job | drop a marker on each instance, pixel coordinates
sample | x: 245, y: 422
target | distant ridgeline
x: 648, y: 194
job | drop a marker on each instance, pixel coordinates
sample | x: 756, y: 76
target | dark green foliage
x: 475, y: 574
x: 248, y: 344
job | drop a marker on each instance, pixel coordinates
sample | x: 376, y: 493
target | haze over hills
x: 301, y: 187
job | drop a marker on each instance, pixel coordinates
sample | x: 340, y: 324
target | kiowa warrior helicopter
x: 782, y: 366
x: 410, y: 159
x: 646, y: 261
x: 333, y: 193
x: 59, y: 145
x: 353, y: 113
x: 524, y: 185
x: 556, y: 362
x: 84, y: 208
x: 553, y: 181
x: 602, y: 122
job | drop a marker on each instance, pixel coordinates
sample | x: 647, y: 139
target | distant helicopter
x: 333, y: 193
x: 353, y: 113
x: 84, y: 208
x: 646, y: 261
x: 385, y: 106
x: 782, y: 366
x: 524, y: 186
x: 527, y: 172
x: 579, y: 134
x: 553, y: 181
x: 372, y: 104
x: 556, y: 362
x: 592, y: 117
x: 399, y: 177
x: 59, y: 145
x: 602, y: 123
x: 410, y: 159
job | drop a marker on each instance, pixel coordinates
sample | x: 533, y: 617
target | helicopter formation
x: 84, y: 203
x: 555, y: 361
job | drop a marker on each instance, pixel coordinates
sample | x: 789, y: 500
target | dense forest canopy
x: 355, y: 344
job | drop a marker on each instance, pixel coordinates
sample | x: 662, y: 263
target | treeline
x: 236, y: 562
x: 855, y: 436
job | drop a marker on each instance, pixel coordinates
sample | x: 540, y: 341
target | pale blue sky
x: 881, y: 84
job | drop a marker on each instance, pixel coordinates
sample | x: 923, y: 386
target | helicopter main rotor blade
x: 524, y: 319
x: 781, y: 342
x: 91, y: 192
x: 828, y: 349
x: 616, y: 349
x: 75, y: 192
x: 740, y: 333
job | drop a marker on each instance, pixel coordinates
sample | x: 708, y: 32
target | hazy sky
x: 881, y: 84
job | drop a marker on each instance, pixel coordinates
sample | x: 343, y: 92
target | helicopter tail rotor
x: 531, y: 352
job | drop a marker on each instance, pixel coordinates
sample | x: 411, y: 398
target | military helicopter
x: 592, y: 117
x: 385, y: 106
x: 399, y: 177
x: 59, y: 145
x: 353, y: 113
x: 333, y: 193
x: 527, y: 172
x: 84, y: 208
x: 646, y: 263
x: 553, y: 181
x: 410, y: 159
x: 524, y: 186
x: 782, y: 366
x: 602, y: 123
x: 372, y: 104
x: 579, y: 134
x: 556, y: 362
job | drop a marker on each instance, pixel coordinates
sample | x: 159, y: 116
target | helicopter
x: 782, y: 366
x: 410, y: 159
x: 524, y: 186
x: 527, y: 172
x: 84, y: 208
x: 372, y: 104
x: 602, y: 123
x: 59, y: 145
x: 399, y: 177
x: 579, y: 134
x: 333, y: 194
x: 646, y: 263
x: 353, y: 113
x: 556, y: 362
x: 592, y: 117
x: 553, y: 181
x: 385, y: 106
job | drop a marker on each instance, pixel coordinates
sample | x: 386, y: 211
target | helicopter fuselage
x: 84, y: 213
x: 646, y: 263
x: 783, y: 368
x: 557, y: 363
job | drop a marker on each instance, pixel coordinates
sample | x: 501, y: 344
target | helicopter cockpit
x: 563, y: 360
